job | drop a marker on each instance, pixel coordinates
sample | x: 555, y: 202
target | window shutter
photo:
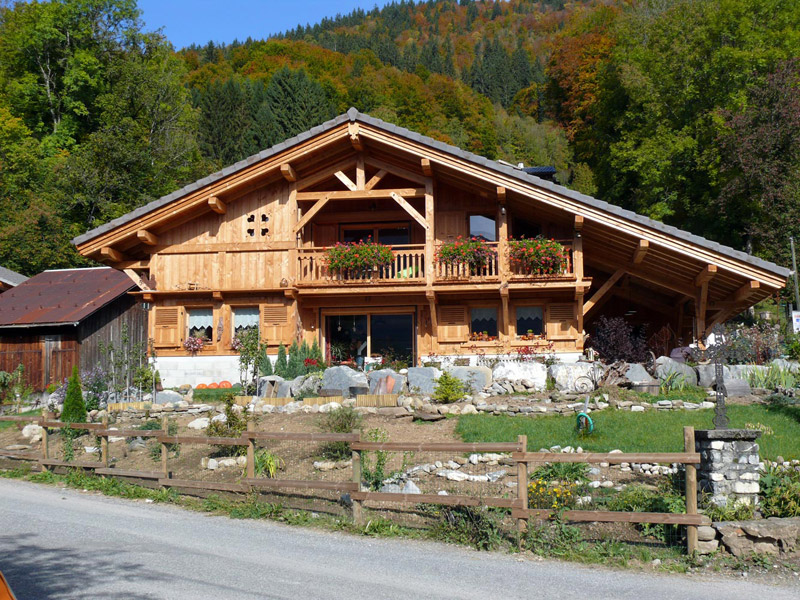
x: 561, y: 322
x: 453, y: 324
x: 274, y: 322
x: 168, y: 327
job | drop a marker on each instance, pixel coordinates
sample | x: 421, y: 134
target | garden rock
x: 200, y: 423
x: 32, y: 432
x: 410, y: 488
x: 137, y: 444
x: 290, y: 389
x: 219, y: 419
x: 422, y: 380
x: 267, y: 385
x: 329, y: 407
x: 310, y: 385
x: 534, y: 373
x: 474, y: 378
x: 706, y: 375
x: 636, y: 373
x: 791, y: 365
x: 376, y: 378
x: 742, y: 371
x: 736, y: 388
x: 666, y: 365
x: 579, y: 377
x: 168, y: 396
x: 343, y: 378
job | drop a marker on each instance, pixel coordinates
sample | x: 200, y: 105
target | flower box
x: 537, y: 256
x: 358, y: 259
x: 473, y: 252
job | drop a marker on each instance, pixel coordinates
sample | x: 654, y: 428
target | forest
x: 686, y: 111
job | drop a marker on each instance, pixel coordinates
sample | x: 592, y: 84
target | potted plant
x: 357, y: 259
x: 537, y: 256
x: 474, y: 252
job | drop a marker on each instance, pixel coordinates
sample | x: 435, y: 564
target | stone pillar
x: 728, y: 470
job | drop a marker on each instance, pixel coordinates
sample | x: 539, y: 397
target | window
x: 245, y: 318
x: 389, y: 234
x: 201, y: 323
x: 483, y: 320
x: 525, y: 229
x: 482, y: 227
x: 530, y: 320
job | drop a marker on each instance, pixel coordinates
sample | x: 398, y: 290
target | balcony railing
x: 518, y: 272
x: 407, y: 266
x: 489, y: 271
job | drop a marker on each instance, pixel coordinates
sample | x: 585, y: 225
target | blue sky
x: 188, y: 21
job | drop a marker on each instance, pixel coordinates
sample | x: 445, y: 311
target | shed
x: 9, y: 279
x: 61, y: 318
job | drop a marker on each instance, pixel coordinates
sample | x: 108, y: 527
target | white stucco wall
x: 177, y: 370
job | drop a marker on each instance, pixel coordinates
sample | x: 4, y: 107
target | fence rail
x: 517, y: 459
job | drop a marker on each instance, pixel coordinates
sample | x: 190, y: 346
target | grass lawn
x: 651, y: 431
x: 8, y: 424
x: 215, y: 395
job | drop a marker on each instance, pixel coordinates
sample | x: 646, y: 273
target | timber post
x: 357, y: 514
x: 164, y: 432
x: 45, y: 440
x: 691, y: 490
x: 522, y: 484
x: 104, y: 442
x: 251, y: 450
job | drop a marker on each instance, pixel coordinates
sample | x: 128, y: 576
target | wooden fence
x: 520, y: 457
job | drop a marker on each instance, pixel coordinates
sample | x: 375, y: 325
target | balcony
x: 408, y: 268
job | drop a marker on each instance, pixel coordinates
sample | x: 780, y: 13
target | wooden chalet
x: 246, y: 247
x: 9, y: 279
x: 61, y: 318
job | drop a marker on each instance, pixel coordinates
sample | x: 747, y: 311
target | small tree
x: 264, y: 363
x: 74, y: 410
x: 249, y: 350
x: 281, y: 365
x: 295, y: 362
x: 449, y: 389
x: 316, y: 353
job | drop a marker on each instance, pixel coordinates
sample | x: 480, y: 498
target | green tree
x: 74, y: 410
x: 281, y: 365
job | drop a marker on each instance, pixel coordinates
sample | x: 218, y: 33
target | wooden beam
x: 109, y: 253
x: 325, y: 173
x: 748, y: 289
x: 361, y: 194
x: 706, y: 275
x: 700, y: 306
x: 147, y: 237
x: 346, y: 181
x: 659, y: 280
x: 361, y: 174
x: 376, y: 179
x: 134, y: 276
x: 501, y: 194
x: 355, y: 139
x: 641, y: 251
x: 598, y: 295
x: 409, y: 209
x: 427, y: 170
x: 217, y: 205
x: 310, y: 214
x: 399, y: 171
x: 288, y: 172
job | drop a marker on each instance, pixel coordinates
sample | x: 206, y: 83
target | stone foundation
x: 728, y: 471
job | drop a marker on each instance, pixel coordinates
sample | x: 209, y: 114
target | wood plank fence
x: 519, y: 455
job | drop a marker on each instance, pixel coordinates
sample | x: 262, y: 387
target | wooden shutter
x: 561, y: 322
x: 453, y: 324
x: 274, y: 322
x: 168, y: 331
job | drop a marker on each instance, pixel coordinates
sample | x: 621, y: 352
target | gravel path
x: 59, y: 543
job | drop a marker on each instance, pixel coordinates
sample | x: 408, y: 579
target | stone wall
x: 729, y: 468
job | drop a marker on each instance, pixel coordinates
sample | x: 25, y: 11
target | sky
x: 197, y: 21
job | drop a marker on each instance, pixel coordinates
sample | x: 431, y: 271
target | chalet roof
x: 354, y: 115
x: 61, y: 297
x: 10, y: 277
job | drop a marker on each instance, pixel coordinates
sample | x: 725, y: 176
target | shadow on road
x: 38, y: 572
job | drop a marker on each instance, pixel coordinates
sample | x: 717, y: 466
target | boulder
x: 577, y: 377
x: 410, y: 488
x: 422, y: 380
x: 168, y: 396
x: 32, y: 432
x: 386, y: 381
x: 736, y: 388
x: 636, y: 373
x: 666, y: 365
x: 706, y: 375
x: 474, y: 378
x: 311, y: 385
x: 765, y: 536
x: 742, y: 371
x: 343, y: 378
x: 791, y: 365
x: 290, y: 388
x: 533, y: 372
x: 200, y: 423
x: 267, y: 386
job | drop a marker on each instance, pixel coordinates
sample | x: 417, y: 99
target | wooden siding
x: 46, y: 358
x: 105, y: 327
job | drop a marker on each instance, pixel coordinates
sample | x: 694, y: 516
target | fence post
x: 45, y: 440
x: 104, y: 442
x: 691, y: 490
x: 356, y: 456
x: 164, y: 432
x: 522, y: 485
x: 251, y: 451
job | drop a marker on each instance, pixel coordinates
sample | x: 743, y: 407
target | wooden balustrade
x: 407, y: 266
x: 488, y: 271
x: 518, y: 272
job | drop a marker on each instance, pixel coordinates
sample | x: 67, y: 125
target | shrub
x: 537, y: 255
x: 755, y: 344
x: 267, y: 463
x: 562, y: 472
x: 616, y: 339
x: 474, y: 252
x: 264, y: 363
x: 448, y: 389
x: 341, y: 420
x: 780, y: 492
x: 358, y: 256
x: 95, y: 382
x: 474, y: 526
x: 281, y: 363
x: 233, y: 426
x: 638, y: 498
x: 552, y: 495
x: 74, y: 410
x: 792, y: 344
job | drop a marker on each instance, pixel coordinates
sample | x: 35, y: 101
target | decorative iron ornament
x: 718, y: 352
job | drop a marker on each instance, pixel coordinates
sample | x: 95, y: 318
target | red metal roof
x: 61, y: 297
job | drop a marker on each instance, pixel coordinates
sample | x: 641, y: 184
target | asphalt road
x: 58, y: 543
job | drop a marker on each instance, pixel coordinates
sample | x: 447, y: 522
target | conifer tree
x: 264, y: 363
x: 281, y: 364
x: 295, y: 364
x: 74, y: 410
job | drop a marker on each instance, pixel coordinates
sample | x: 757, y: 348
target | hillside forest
x: 686, y: 111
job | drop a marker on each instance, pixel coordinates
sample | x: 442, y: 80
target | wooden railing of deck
x: 407, y: 266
